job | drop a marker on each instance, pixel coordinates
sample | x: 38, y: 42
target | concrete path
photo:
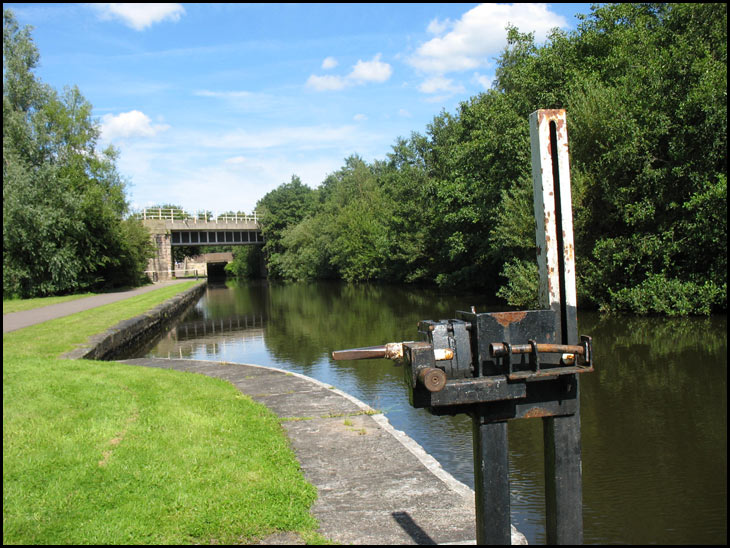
x: 18, y: 320
x: 376, y: 485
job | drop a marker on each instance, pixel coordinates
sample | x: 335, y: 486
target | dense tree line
x: 64, y: 207
x: 645, y: 89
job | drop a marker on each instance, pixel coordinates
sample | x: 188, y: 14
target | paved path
x: 18, y: 320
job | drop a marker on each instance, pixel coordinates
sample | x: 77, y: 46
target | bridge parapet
x: 198, y: 217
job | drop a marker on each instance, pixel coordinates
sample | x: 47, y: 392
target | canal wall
x: 118, y: 341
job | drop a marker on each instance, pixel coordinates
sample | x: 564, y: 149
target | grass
x: 19, y: 305
x: 105, y: 453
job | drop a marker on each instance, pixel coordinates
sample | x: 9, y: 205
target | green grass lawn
x: 105, y: 453
x: 18, y: 305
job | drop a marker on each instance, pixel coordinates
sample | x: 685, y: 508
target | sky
x: 211, y: 106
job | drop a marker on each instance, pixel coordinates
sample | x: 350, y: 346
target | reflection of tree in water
x: 308, y: 321
x: 655, y: 405
x: 665, y: 352
x: 232, y: 299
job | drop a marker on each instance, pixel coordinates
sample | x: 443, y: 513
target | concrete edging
x: 131, y: 332
x: 406, y: 441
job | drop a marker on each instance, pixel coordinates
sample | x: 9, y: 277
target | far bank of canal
x: 654, y: 413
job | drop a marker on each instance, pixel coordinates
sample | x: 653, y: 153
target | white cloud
x: 437, y: 84
x: 482, y: 80
x: 362, y: 72
x: 140, y: 16
x: 239, y: 187
x: 437, y: 27
x: 129, y: 124
x: 233, y: 183
x: 329, y: 63
x: 250, y: 101
x: 295, y: 137
x: 371, y: 71
x: 220, y: 169
x: 480, y: 35
x: 327, y: 83
x: 359, y: 117
x: 224, y: 94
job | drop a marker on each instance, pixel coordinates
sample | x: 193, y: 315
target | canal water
x: 653, y: 414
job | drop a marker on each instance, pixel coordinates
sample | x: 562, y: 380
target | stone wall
x: 122, y: 339
x: 161, y: 264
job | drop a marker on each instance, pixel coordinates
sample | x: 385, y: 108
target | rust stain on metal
x: 394, y: 351
x: 443, y: 354
x: 537, y: 413
x: 569, y: 251
x: 506, y: 318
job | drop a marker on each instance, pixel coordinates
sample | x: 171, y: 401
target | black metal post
x: 491, y: 480
x: 563, y: 483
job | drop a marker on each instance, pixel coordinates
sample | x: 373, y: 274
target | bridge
x: 173, y: 227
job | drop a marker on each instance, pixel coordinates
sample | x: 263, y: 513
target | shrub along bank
x: 103, y: 453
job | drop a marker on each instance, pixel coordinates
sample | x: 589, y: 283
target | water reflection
x: 653, y: 413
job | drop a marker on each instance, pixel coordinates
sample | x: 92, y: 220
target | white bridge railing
x: 174, y: 214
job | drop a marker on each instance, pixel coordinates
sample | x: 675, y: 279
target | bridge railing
x: 204, y: 216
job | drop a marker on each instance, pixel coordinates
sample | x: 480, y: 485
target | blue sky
x: 211, y: 106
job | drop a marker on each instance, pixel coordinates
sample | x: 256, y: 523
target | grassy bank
x: 19, y: 305
x: 103, y: 453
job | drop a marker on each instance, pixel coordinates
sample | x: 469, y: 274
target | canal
x: 653, y: 414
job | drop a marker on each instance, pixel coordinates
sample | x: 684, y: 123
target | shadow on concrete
x: 414, y: 531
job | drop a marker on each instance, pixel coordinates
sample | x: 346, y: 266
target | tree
x: 284, y: 206
x: 645, y: 87
x: 63, y: 199
x: 650, y: 136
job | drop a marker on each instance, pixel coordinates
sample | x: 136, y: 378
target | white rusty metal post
x: 554, y: 235
x: 556, y: 260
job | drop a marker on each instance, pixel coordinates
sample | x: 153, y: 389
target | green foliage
x: 645, y: 89
x: 63, y: 199
x: 285, y: 206
x: 650, y: 138
x: 135, y: 249
x: 305, y: 256
x: 521, y: 289
x: 670, y: 296
x: 247, y: 262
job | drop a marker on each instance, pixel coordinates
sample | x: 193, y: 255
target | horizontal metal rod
x: 497, y: 350
x: 390, y: 351
x: 367, y: 353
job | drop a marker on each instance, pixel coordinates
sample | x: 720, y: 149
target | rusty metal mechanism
x: 514, y: 365
x: 473, y: 369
